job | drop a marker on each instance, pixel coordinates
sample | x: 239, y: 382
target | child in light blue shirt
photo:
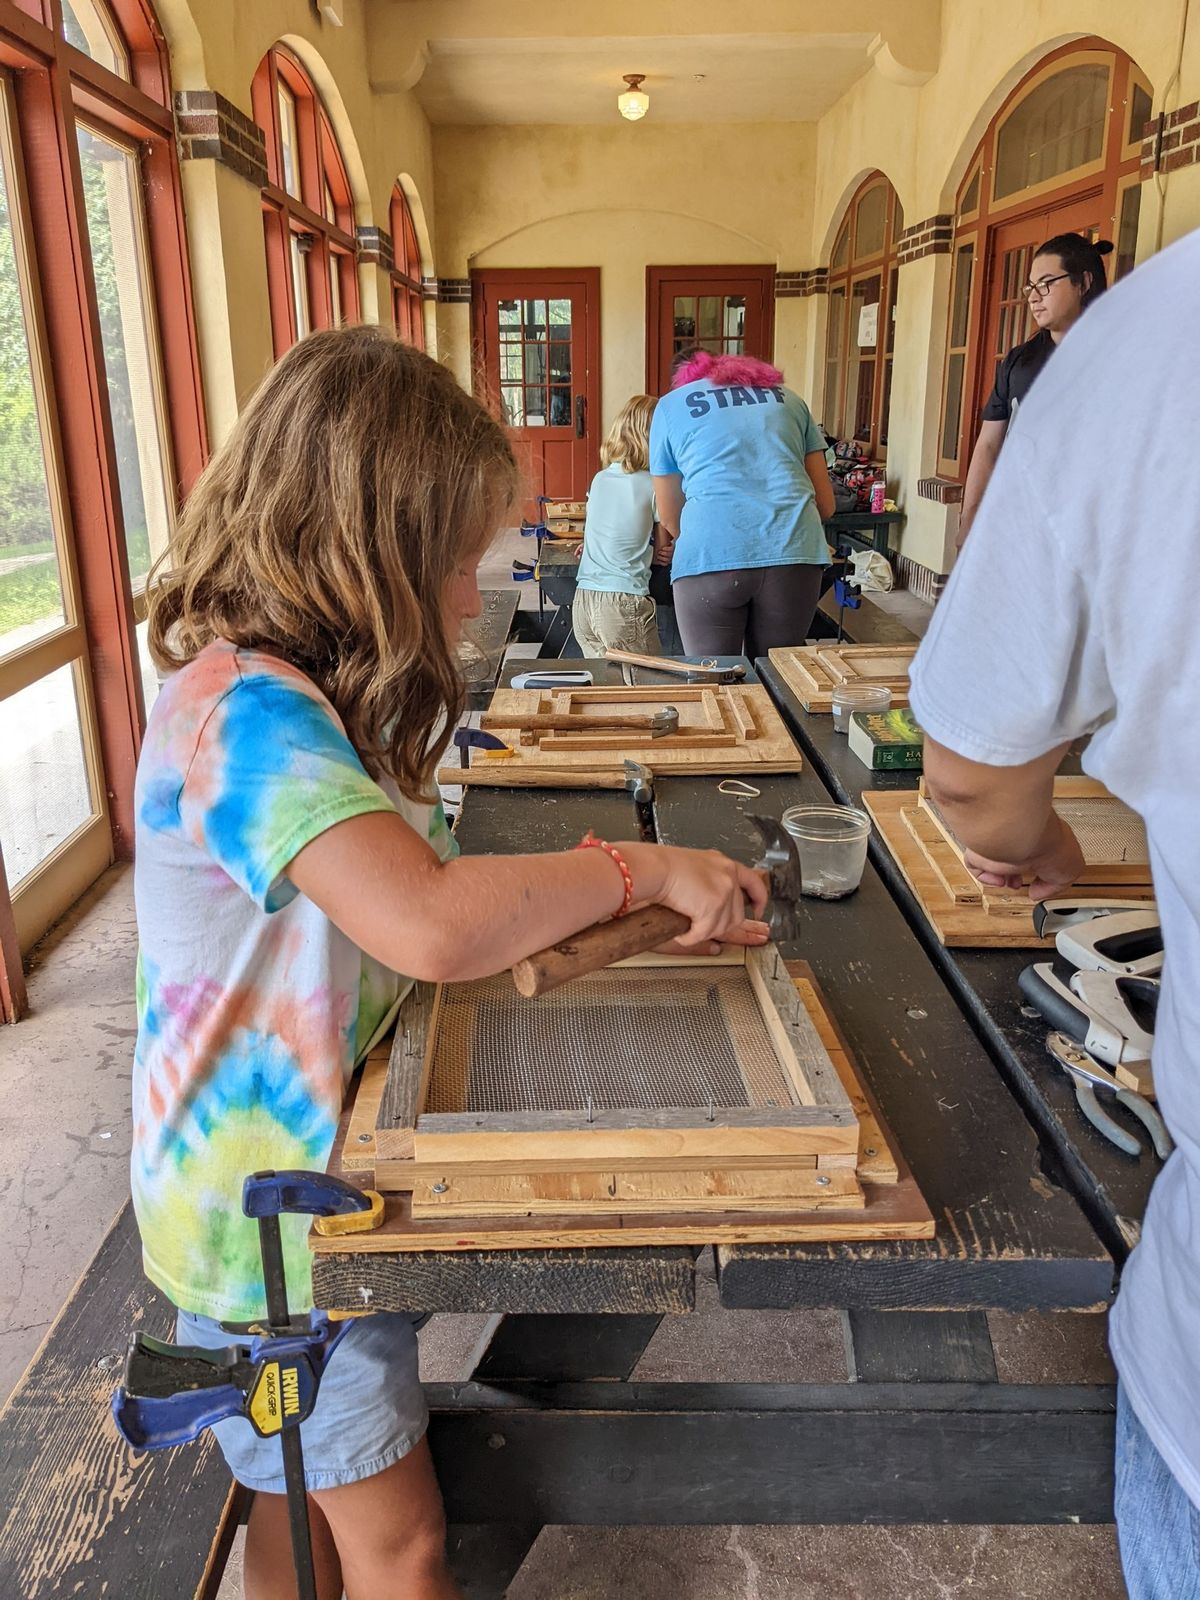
x: 613, y: 609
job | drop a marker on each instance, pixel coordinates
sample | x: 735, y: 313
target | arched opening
x: 308, y: 212
x: 408, y: 309
x: 1060, y: 156
x: 860, y: 333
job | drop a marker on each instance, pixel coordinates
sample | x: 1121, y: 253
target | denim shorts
x: 370, y: 1408
x: 1157, y: 1525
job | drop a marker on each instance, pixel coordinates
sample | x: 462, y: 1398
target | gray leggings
x: 746, y: 611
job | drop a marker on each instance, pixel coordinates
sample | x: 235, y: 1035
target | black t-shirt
x: 1015, y: 374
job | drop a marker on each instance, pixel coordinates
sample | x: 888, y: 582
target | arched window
x: 308, y: 216
x: 102, y: 433
x: 408, y: 311
x: 1061, y: 156
x: 860, y: 334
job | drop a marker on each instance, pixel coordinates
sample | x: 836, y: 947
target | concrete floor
x: 64, y: 1144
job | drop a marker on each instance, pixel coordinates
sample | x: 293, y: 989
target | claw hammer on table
x: 645, y: 929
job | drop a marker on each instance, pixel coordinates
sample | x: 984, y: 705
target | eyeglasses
x: 1035, y: 291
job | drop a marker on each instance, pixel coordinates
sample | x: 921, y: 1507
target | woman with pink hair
x: 742, y: 487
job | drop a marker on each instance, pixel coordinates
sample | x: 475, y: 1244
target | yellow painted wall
x: 923, y: 139
x: 621, y: 199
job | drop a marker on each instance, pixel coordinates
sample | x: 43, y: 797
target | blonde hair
x: 327, y: 530
x: 628, y: 440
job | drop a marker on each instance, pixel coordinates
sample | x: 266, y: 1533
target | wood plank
x: 946, y: 862
x: 405, y: 1085
x: 957, y: 924
x: 797, y: 1041
x: 636, y: 1193
x: 360, y: 1137
x: 878, y: 1160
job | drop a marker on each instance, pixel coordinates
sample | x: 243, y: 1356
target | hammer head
x: 781, y: 862
x: 639, y: 781
x: 665, y: 720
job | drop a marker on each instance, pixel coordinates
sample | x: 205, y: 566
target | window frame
x: 305, y: 248
x: 51, y: 85
x: 1107, y: 179
x: 856, y: 268
x: 408, y: 293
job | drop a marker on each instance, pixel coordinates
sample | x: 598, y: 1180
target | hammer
x: 658, y: 724
x: 645, y: 929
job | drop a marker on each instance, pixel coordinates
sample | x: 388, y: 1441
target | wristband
x: 590, y: 842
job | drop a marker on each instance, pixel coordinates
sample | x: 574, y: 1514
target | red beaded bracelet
x: 590, y: 842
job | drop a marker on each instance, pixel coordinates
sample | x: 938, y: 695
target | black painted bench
x: 81, y: 1513
x: 867, y: 623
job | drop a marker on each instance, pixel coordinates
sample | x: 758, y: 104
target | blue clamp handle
x: 846, y: 593
x: 316, y: 1194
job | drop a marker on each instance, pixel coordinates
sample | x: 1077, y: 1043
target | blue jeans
x: 1158, y: 1526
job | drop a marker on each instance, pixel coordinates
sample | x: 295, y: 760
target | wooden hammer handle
x: 596, y: 947
x: 547, y: 722
x: 660, y: 663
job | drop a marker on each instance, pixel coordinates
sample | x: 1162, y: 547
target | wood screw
x: 870, y: 1151
x: 364, y: 1138
x: 440, y: 1188
x: 823, y: 1180
x: 496, y: 1441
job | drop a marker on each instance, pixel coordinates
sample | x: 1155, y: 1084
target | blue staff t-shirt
x: 740, y: 451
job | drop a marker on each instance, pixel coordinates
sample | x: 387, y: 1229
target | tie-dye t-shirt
x: 253, y: 1009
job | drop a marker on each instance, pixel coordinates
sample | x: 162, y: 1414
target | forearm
x: 1002, y: 813
x: 979, y: 475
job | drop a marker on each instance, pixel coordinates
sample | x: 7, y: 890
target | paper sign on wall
x: 868, y: 325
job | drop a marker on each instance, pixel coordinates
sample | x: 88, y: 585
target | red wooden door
x: 1011, y: 247
x: 537, y: 348
x: 728, y: 310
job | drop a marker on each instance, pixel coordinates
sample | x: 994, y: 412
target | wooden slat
x: 405, y: 1083
x: 797, y: 1042
x: 946, y: 862
x: 812, y: 672
x: 636, y: 1193
x: 360, y: 1137
x: 878, y: 1160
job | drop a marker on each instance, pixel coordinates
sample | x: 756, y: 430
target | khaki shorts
x: 604, y: 621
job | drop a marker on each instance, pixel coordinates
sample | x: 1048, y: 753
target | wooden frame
x: 722, y: 728
x: 847, y: 269
x: 813, y: 672
x: 729, y: 1186
x: 326, y: 245
x: 408, y: 300
x: 960, y: 910
x: 1104, y: 180
x: 53, y: 85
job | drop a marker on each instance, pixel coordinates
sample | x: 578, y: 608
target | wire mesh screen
x: 1108, y: 831
x: 636, y: 1039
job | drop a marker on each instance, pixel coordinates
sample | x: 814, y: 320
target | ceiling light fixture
x: 634, y: 103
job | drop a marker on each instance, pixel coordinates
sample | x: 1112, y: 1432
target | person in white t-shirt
x: 1043, y: 635
x: 612, y: 608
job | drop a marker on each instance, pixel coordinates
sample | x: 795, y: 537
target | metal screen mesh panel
x: 637, y: 1039
x: 1107, y: 830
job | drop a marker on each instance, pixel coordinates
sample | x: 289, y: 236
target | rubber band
x: 590, y: 842
x: 735, y: 786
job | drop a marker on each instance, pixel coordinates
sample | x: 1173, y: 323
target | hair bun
x: 1103, y: 247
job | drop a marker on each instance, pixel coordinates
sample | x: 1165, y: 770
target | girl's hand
x: 1055, y: 865
x: 707, y: 887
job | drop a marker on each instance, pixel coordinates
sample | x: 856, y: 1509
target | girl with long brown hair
x: 293, y: 861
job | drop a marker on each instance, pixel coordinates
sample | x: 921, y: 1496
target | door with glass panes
x: 728, y: 310
x: 537, y: 348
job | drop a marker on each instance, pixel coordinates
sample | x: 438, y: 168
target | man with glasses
x: 1038, y: 641
x: 1067, y: 274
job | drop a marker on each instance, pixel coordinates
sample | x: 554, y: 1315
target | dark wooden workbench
x: 488, y: 633
x: 1111, y: 1186
x: 550, y: 1429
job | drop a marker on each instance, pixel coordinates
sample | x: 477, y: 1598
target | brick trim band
x: 945, y: 491
x: 799, y: 284
x: 933, y: 237
x: 454, y: 291
x: 375, y: 248
x: 429, y: 288
x: 211, y: 128
x: 1171, y: 141
x: 919, y: 580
